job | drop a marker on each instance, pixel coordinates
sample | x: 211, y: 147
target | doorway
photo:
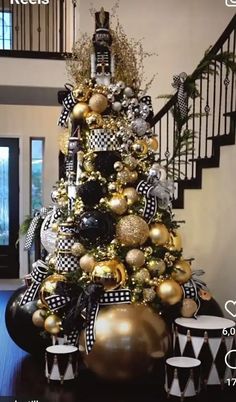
x: 9, y: 207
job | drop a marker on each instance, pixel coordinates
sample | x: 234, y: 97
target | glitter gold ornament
x: 149, y: 295
x: 189, y: 308
x: 175, y: 242
x: 132, y: 230
x: 94, y: 120
x: 131, y: 194
x: 141, y: 276
x: 140, y: 147
x: 52, y: 324
x: 109, y: 273
x: 77, y: 249
x: 153, y: 144
x: 38, y: 318
x: 156, y: 266
x: 133, y: 176
x: 135, y: 258
x: 98, y: 103
x: 182, y: 271
x: 64, y: 141
x: 118, y: 166
x: 124, y: 176
x: 159, y: 234
x: 118, y: 204
x: 130, y: 162
x: 169, y: 291
x: 80, y: 111
x: 49, y: 285
x: 87, y: 263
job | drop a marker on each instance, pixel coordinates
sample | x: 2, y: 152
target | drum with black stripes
x: 182, y: 377
x: 61, y: 363
x: 207, y: 338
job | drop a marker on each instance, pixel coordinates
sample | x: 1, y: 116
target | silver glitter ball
x: 139, y: 126
x: 116, y: 106
x: 129, y: 92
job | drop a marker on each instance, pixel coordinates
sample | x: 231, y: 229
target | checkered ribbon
x: 38, y: 274
x: 178, y: 83
x: 68, y: 103
x: 30, y: 235
x: 120, y: 296
x: 101, y: 140
x: 151, y: 203
x: 56, y: 302
x: 192, y: 287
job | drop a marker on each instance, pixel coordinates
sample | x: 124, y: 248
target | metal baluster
x: 214, y: 101
x: 57, y: 28
x: 226, y: 83
x: 167, y: 153
x: 21, y: 27
x: 12, y: 28
x: 174, y: 142
x: 65, y: 26
x: 186, y: 148
x: 74, y: 20
x: 53, y: 24
x: 61, y: 28
x: 159, y: 139
x: 200, y: 121
x: 47, y: 27
x: 30, y: 28
x: 232, y: 103
x: 24, y: 36
x: 17, y: 28
x: 207, y: 110
x: 220, y: 97
x: 39, y: 28
x: 193, y: 138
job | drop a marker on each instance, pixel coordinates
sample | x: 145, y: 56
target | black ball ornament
x: 96, y: 227
x: 91, y: 192
x: 104, y: 162
x: 20, y: 326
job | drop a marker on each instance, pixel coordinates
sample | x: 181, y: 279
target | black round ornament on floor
x: 104, y: 162
x: 96, y: 227
x: 20, y: 326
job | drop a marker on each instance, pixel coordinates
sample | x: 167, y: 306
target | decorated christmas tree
x: 114, y: 260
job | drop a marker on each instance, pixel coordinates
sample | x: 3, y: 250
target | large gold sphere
x: 169, y: 291
x: 87, y: 263
x: 48, y: 287
x: 110, y: 274
x: 128, y: 337
x: 159, y: 234
x: 131, y: 194
x: 77, y: 249
x: 118, y: 204
x: 98, y: 103
x: 132, y: 230
x: 52, y: 324
x: 38, y: 318
x: 189, y: 308
x: 182, y: 271
x: 80, y: 111
x: 135, y: 258
x: 175, y: 241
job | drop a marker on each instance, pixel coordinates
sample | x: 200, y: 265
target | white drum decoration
x: 182, y: 377
x: 207, y: 338
x: 61, y: 363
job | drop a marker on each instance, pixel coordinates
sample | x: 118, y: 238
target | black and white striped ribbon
x: 178, y: 83
x: 38, y: 274
x: 151, y: 202
x: 120, y: 296
x: 56, y: 302
x: 30, y: 235
x: 68, y: 103
x: 191, y: 289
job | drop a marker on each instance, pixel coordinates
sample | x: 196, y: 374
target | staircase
x: 213, y: 122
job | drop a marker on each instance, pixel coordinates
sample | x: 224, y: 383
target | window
x: 36, y: 164
x: 5, y: 30
x: 4, y: 196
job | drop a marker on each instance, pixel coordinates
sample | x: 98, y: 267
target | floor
x: 22, y: 376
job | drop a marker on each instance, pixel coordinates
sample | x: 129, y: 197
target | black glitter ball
x: 91, y: 192
x: 104, y: 162
x: 96, y: 227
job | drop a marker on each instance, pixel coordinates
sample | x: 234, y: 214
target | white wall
x: 24, y: 122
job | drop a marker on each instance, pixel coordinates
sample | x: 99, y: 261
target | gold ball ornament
x: 133, y: 176
x: 130, y: 162
x: 149, y: 295
x: 118, y: 166
x: 142, y: 276
x: 131, y: 194
x: 87, y: 263
x: 80, y: 111
x: 159, y: 234
x: 182, y: 271
x: 143, y: 333
x: 48, y: 287
x: 156, y: 266
x: 52, y: 324
x: 175, y: 242
x: 77, y: 249
x: 38, y: 318
x: 118, y: 204
x: 110, y: 274
x: 98, y: 103
x: 124, y: 176
x: 169, y: 291
x: 140, y: 147
x: 132, y: 231
x: 39, y: 304
x: 153, y: 143
x: 135, y: 258
x: 189, y: 308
